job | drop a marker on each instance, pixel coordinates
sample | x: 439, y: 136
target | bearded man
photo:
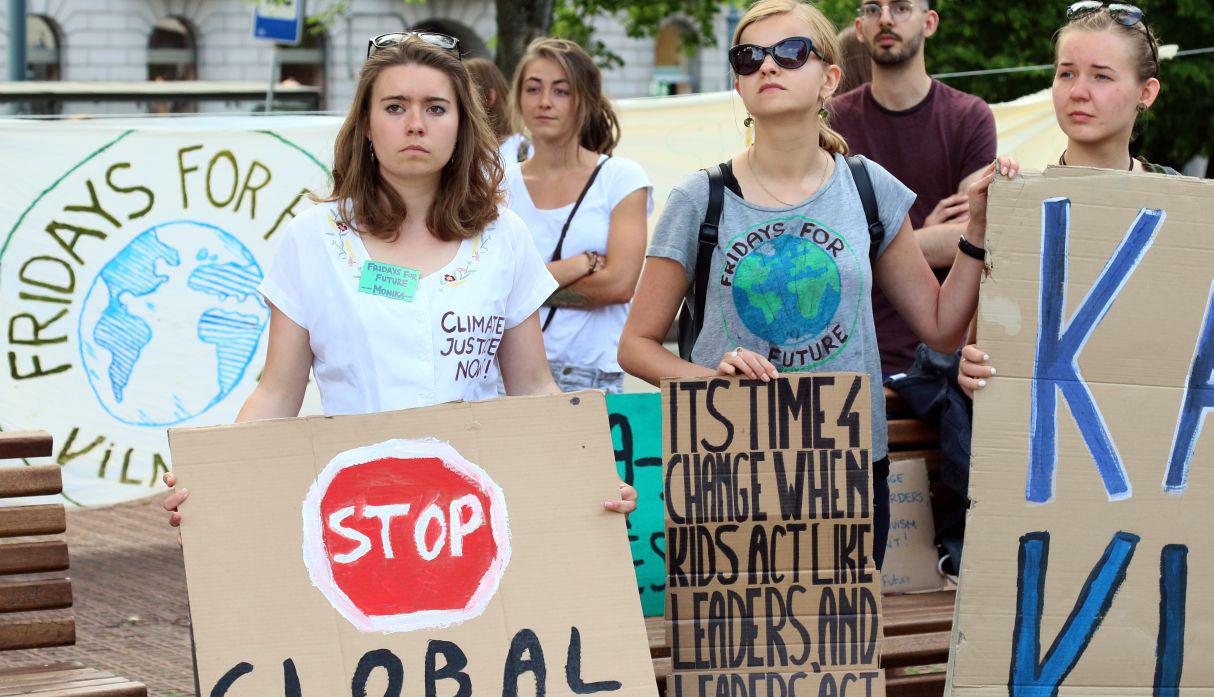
x: 935, y: 139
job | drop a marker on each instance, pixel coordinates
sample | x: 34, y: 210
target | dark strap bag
x: 560, y: 241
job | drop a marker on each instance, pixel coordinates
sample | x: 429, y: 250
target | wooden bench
x: 35, y: 593
x: 917, y: 626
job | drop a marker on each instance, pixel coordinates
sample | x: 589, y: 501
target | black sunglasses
x: 1123, y: 14
x: 396, y: 38
x: 791, y: 53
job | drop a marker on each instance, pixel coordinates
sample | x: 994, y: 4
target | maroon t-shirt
x: 930, y: 148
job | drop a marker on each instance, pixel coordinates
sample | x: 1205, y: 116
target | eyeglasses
x: 898, y: 11
x: 396, y: 38
x: 791, y: 53
x: 1125, y: 15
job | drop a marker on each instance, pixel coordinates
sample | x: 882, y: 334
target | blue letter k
x: 1058, y: 349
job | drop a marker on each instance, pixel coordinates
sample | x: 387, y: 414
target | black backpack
x: 691, y: 314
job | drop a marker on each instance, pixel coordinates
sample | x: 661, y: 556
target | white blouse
x: 435, y: 341
x: 586, y: 338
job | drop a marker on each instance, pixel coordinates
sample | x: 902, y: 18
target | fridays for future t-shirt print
x: 796, y: 285
x: 793, y: 284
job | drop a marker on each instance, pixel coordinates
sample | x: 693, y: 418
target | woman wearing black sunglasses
x: 1106, y: 66
x: 790, y: 281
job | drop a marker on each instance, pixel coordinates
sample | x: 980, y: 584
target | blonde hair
x: 823, y: 33
x: 469, y: 189
x: 597, y: 126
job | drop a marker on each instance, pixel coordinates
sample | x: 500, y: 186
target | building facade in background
x: 134, y: 40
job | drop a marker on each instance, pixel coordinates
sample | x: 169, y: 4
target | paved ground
x: 131, y: 608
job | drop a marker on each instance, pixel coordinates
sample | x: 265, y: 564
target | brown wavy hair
x: 470, y: 186
x: 598, y: 127
x: 491, y: 83
x: 825, y: 37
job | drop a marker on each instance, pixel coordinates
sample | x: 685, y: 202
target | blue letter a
x: 1028, y: 678
x: 1198, y: 399
x: 1056, y: 367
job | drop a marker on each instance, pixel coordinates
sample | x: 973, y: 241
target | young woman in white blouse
x: 586, y: 210
x: 402, y: 288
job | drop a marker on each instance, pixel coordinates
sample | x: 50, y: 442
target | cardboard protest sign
x: 910, y: 562
x: 771, y: 585
x: 636, y: 433
x: 1090, y: 513
x: 458, y: 549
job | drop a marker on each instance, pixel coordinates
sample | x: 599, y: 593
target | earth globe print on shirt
x: 785, y: 279
x: 212, y: 279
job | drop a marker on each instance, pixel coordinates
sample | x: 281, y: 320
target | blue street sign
x: 280, y: 21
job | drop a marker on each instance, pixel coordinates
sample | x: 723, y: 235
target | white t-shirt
x: 374, y: 353
x: 585, y: 338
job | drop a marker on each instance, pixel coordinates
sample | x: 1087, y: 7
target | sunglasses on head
x: 1129, y: 15
x: 791, y: 53
x: 396, y: 38
x: 1123, y: 14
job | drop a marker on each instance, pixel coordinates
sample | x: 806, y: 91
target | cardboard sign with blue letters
x: 1088, y: 553
x: 280, y: 21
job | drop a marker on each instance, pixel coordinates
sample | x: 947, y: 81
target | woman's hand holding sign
x: 1002, y: 166
x: 627, y: 502
x: 743, y: 362
x: 973, y: 372
x: 174, y: 499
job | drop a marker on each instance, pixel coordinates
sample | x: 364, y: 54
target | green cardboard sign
x: 636, y: 434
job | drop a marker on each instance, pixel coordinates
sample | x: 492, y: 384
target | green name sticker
x: 388, y: 281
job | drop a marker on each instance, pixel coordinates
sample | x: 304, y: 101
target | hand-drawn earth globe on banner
x: 129, y: 266
x: 210, y: 280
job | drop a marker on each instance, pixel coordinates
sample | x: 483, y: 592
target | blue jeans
x: 571, y: 378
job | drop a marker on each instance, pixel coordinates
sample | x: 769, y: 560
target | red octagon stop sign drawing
x: 404, y: 535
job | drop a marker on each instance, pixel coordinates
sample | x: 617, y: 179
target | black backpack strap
x: 691, y: 318
x: 868, y: 198
x: 560, y: 241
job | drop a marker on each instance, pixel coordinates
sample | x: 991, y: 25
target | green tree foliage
x: 641, y: 18
x: 984, y: 35
x: 973, y: 35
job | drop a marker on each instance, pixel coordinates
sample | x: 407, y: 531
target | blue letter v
x: 1028, y: 679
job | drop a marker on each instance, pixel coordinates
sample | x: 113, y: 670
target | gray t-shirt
x: 793, y: 284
